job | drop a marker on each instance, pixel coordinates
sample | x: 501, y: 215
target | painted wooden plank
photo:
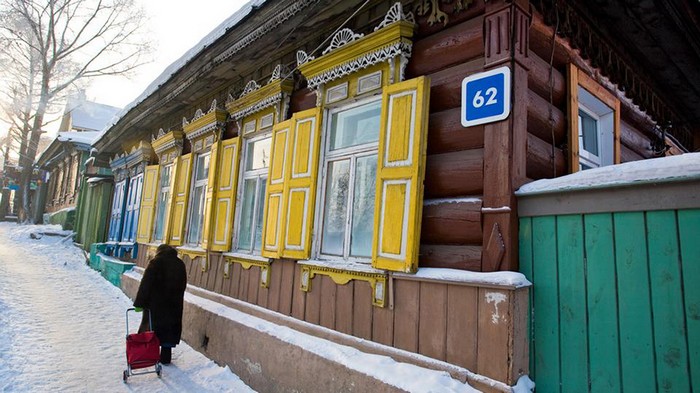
x: 253, y: 284
x: 689, y: 232
x: 572, y: 303
x: 382, y: 325
x: 298, y: 296
x: 287, y: 287
x: 636, y: 339
x: 328, y: 291
x: 545, y: 304
x: 313, y: 301
x: 219, y: 275
x: 666, y: 290
x: 362, y: 310
x: 243, y: 284
x: 406, y: 307
x: 462, y: 309
x: 494, y: 323
x: 526, y: 268
x: 263, y: 293
x: 432, y: 323
x: 273, y: 298
x: 603, y: 337
x: 343, y: 308
x: 235, y: 274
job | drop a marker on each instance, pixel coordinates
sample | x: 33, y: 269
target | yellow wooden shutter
x: 400, y: 173
x: 225, y: 196
x: 209, y: 197
x: 300, y: 184
x: 183, y: 173
x: 272, y: 216
x: 148, y: 204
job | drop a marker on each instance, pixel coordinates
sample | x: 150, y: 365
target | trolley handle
x: 150, y: 320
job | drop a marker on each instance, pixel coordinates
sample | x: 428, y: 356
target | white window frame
x: 603, y: 115
x: 327, y: 156
x: 261, y: 175
x: 116, y: 217
x: 133, y: 205
x: 161, y: 190
x: 197, y: 184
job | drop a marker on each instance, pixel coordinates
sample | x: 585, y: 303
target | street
x: 63, y: 326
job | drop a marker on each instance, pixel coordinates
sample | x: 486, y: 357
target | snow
x: 63, y: 326
x: 170, y: 70
x: 85, y: 137
x: 499, y: 279
x: 666, y: 169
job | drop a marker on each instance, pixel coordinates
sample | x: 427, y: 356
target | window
x: 115, y: 221
x: 133, y: 201
x: 594, y: 123
x: 252, y: 196
x: 595, y: 131
x: 349, y: 183
x: 196, y: 208
x: 162, y: 202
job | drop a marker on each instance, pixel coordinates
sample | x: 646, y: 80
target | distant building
x: 64, y: 158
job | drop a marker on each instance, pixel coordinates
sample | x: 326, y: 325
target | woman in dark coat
x: 161, y: 291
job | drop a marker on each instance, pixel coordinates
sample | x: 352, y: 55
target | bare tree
x: 50, y: 47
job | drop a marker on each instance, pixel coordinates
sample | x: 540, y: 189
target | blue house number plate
x: 486, y: 97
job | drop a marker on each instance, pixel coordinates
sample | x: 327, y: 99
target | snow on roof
x: 91, y: 115
x: 170, y: 70
x: 666, y: 169
x: 86, y: 137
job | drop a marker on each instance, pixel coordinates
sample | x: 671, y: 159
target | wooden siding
x: 614, y: 302
x: 459, y: 324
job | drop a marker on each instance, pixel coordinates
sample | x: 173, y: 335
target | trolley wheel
x: 125, y: 376
x: 159, y: 370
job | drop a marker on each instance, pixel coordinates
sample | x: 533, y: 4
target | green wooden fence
x: 615, y: 302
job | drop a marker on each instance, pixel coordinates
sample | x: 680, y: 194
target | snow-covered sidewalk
x: 63, y: 328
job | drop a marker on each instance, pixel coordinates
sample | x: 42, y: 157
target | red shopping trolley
x: 142, y: 350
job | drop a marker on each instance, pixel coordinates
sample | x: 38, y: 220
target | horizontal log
x: 538, y: 119
x: 539, y: 159
x: 446, y: 133
x: 455, y: 174
x: 452, y: 222
x: 452, y: 257
x: 635, y: 140
x: 455, y: 13
x: 454, y: 45
x: 446, y: 85
x: 302, y: 99
x: 541, y: 43
x: 538, y: 80
x: 628, y: 155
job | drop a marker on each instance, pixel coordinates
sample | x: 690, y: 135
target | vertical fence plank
x: 689, y: 232
x: 526, y: 268
x: 669, y: 326
x: 603, y: 338
x: 572, y: 304
x: 546, y: 303
x: 636, y: 341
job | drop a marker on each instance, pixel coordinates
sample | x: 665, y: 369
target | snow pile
x: 504, y: 279
x: 84, y: 137
x: 656, y: 170
x: 63, y: 326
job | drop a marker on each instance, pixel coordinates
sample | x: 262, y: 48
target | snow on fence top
x: 683, y: 167
x: 170, y: 70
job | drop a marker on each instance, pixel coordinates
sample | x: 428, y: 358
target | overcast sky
x: 176, y: 26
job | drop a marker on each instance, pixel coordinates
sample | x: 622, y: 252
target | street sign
x: 486, y: 97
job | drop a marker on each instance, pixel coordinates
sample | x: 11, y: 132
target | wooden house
x: 309, y: 157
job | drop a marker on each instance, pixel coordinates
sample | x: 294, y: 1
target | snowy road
x: 62, y: 327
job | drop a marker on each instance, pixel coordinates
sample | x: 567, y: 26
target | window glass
x: 194, y: 227
x: 588, y: 130
x: 355, y: 126
x: 259, y: 216
x: 363, y: 206
x: 335, y: 209
x: 245, y: 237
x: 258, y: 154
